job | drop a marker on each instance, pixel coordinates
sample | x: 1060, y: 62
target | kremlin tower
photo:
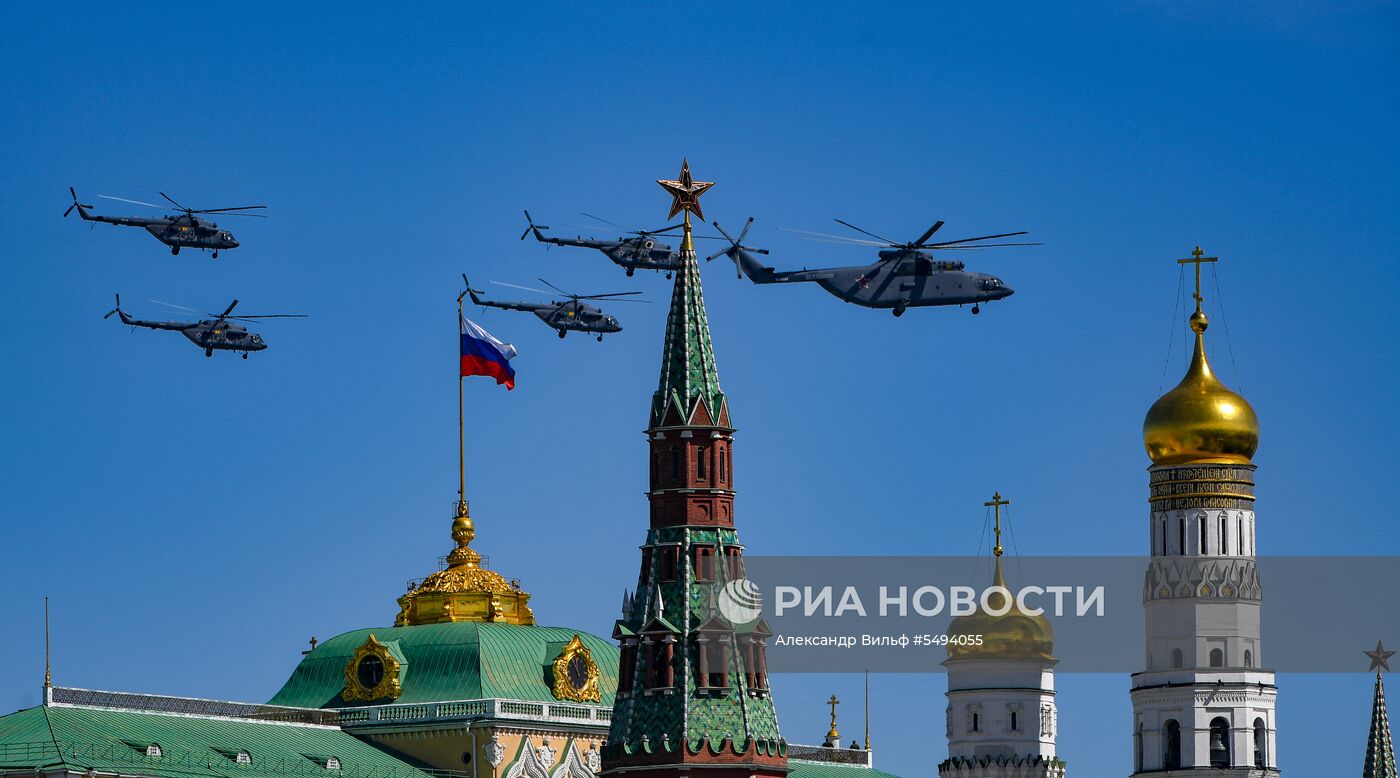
x: 1203, y: 704
x: 693, y: 690
x: 1002, y: 719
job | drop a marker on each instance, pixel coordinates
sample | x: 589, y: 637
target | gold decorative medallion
x: 576, y: 674
x: 372, y: 673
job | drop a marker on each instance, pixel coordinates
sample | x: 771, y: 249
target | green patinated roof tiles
x: 688, y: 370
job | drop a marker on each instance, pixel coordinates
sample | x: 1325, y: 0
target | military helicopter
x: 221, y: 333
x: 639, y: 252
x: 905, y: 276
x: 175, y: 231
x: 573, y: 314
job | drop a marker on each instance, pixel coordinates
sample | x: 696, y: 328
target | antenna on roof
x: 48, y: 675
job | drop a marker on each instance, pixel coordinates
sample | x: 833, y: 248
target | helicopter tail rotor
x: 117, y: 309
x: 76, y: 204
x: 736, y: 247
x: 532, y: 227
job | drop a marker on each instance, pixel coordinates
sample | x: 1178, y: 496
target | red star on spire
x: 685, y: 193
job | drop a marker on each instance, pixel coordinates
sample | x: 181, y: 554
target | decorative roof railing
x: 519, y: 710
x: 838, y: 755
x: 190, y: 706
x: 42, y: 754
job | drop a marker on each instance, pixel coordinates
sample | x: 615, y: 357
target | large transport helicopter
x: 905, y: 276
x: 185, y: 230
x: 641, y: 251
x: 571, y: 314
x: 223, y: 332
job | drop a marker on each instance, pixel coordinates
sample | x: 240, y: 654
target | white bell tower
x: 1204, y: 706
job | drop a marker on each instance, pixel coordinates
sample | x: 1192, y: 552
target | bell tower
x: 1204, y: 705
x: 692, y: 680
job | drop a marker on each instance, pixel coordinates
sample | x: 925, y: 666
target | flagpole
x: 461, y: 435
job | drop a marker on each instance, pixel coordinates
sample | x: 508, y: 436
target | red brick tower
x: 692, y: 683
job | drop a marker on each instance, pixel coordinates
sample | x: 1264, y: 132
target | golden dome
x: 465, y: 591
x: 1015, y: 634
x: 1200, y: 420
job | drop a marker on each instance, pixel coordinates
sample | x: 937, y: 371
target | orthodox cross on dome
x: 1198, y: 258
x: 995, y: 504
x: 685, y: 194
x: 833, y: 736
x: 1380, y: 658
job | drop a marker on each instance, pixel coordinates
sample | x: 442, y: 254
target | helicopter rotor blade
x: 828, y: 238
x: 134, y: 202
x: 610, y: 295
x: 174, y: 203
x: 557, y: 289
x: 224, y: 210
x: 867, y: 232
x: 605, y: 221
x: 924, y: 238
x: 981, y: 246
x: 983, y: 237
x: 174, y: 306
x: 526, y: 288
x: 251, y: 317
x: 228, y: 310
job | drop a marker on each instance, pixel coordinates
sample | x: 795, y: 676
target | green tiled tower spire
x: 692, y: 684
x: 1380, y: 751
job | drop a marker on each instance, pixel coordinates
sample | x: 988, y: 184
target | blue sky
x: 195, y: 521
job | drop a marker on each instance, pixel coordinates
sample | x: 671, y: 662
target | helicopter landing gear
x: 245, y: 355
x: 630, y: 271
x: 216, y: 254
x: 175, y: 250
x: 668, y: 275
x: 976, y: 310
x: 899, y: 310
x: 562, y: 333
x: 209, y: 352
x: 600, y: 338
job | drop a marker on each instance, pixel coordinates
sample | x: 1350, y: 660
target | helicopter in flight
x: 639, y: 252
x: 572, y: 314
x: 183, y: 230
x: 905, y: 276
x: 221, y: 333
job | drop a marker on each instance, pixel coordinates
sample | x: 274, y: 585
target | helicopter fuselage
x: 639, y: 253
x: 175, y: 231
x: 900, y: 280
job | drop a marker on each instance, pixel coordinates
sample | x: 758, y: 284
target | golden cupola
x: 464, y: 591
x: 1201, y: 420
x: 1014, y: 634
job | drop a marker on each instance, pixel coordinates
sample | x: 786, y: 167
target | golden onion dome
x: 1015, y: 634
x: 1200, y: 420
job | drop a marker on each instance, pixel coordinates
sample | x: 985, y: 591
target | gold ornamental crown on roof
x: 464, y: 591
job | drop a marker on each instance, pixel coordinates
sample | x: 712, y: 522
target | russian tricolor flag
x: 482, y: 354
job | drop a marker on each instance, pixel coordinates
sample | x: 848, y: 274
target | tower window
x: 1217, y: 658
x: 1261, y: 744
x: 1224, y: 539
x: 1137, y: 746
x: 701, y: 454
x: 1248, y: 658
x: 675, y: 465
x: 723, y: 466
x: 1014, y: 723
x: 1219, y: 742
x: 1201, y: 522
x: 1181, y: 535
x: 1176, y: 659
x: 1171, y: 745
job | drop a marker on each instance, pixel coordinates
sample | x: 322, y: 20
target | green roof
x: 800, y: 769
x: 108, y: 740
x: 688, y: 370
x: 463, y: 660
